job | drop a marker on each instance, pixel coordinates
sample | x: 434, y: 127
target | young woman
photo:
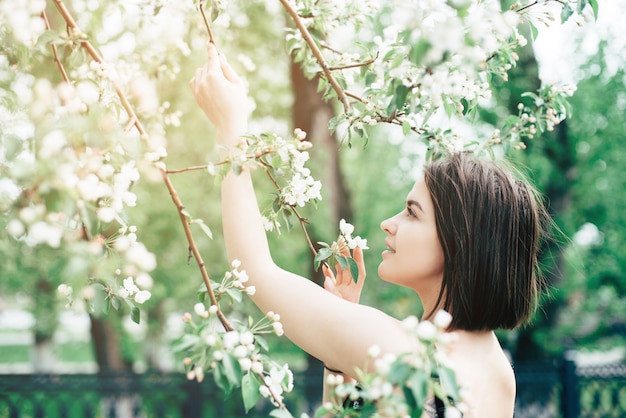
x: 466, y: 241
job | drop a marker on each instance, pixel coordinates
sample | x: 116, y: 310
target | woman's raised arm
x: 333, y: 330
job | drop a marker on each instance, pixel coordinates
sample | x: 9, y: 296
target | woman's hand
x: 222, y: 95
x: 343, y: 284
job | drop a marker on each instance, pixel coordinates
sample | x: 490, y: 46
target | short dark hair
x: 489, y: 224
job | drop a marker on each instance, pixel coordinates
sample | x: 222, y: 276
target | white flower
x: 240, y: 351
x: 241, y: 275
x: 257, y: 367
x: 235, y: 264
x: 245, y: 363
x: 41, y: 232
x: 218, y: 355
x: 51, y: 144
x: 123, y: 293
x: 442, y: 319
x: 139, y: 255
x: 210, y: 340
x: 144, y: 280
x: 246, y: 338
x: 264, y: 391
x: 426, y: 331
x: 231, y: 338
x: 16, y: 228
x: 106, y: 214
x: 142, y: 296
x: 200, y: 309
x: 251, y: 290
x: 357, y: 242
x: 346, y: 229
x: 130, y: 286
x: 278, y: 328
x: 65, y: 290
x: 410, y: 323
x: 213, y: 309
x: 299, y: 134
x: 453, y: 412
x: 374, y: 351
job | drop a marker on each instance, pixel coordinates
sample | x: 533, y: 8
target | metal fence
x: 553, y: 389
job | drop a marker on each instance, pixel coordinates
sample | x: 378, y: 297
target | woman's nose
x: 388, y: 226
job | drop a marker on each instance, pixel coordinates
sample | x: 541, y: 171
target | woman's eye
x: 410, y: 212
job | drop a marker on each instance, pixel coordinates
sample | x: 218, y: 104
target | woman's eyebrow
x: 414, y: 203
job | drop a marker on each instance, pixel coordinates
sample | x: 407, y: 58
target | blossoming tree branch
x: 76, y: 140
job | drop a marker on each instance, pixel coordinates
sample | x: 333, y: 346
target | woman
x: 466, y: 242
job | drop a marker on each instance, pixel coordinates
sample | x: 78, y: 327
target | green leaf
x: 448, y: 382
x: 12, y: 145
x: 280, y: 413
x: 185, y: 342
x: 323, y: 254
x: 342, y: 261
x: 533, y: 30
x: 406, y: 127
x: 354, y: 269
x: 418, y: 51
x: 235, y: 294
x: 232, y: 369
x: 249, y: 391
x: 418, y: 383
x: 116, y: 303
x: 398, y: 373
x: 135, y: 314
x: 566, y: 13
x: 595, y: 7
x: 261, y: 342
x: 402, y: 92
x: 204, y: 227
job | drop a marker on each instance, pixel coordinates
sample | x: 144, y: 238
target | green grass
x: 77, y: 352
x: 14, y: 354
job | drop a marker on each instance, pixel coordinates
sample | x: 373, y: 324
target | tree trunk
x: 108, y: 353
x: 106, y: 345
x: 42, y: 354
x: 312, y: 114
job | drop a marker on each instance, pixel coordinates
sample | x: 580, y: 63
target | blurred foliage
x: 579, y: 169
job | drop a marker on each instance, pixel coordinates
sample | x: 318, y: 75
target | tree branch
x: 318, y: 55
x: 194, y: 248
x: 54, y: 50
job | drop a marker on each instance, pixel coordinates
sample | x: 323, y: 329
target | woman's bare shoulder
x: 484, y: 373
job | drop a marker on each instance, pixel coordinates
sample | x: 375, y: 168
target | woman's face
x: 414, y: 257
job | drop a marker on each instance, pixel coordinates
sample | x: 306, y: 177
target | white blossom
x: 142, y: 296
x: 442, y: 319
x: 426, y: 331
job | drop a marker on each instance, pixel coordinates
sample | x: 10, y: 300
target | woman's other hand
x: 222, y: 95
x: 343, y: 285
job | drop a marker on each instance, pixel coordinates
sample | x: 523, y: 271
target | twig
x: 194, y: 248
x: 318, y: 54
x: 54, y: 50
x: 355, y: 65
x: 192, y: 168
x: 206, y: 23
x: 354, y: 96
x: 301, y: 219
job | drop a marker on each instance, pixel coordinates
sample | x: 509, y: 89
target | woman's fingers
x: 358, y: 257
x: 228, y: 71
